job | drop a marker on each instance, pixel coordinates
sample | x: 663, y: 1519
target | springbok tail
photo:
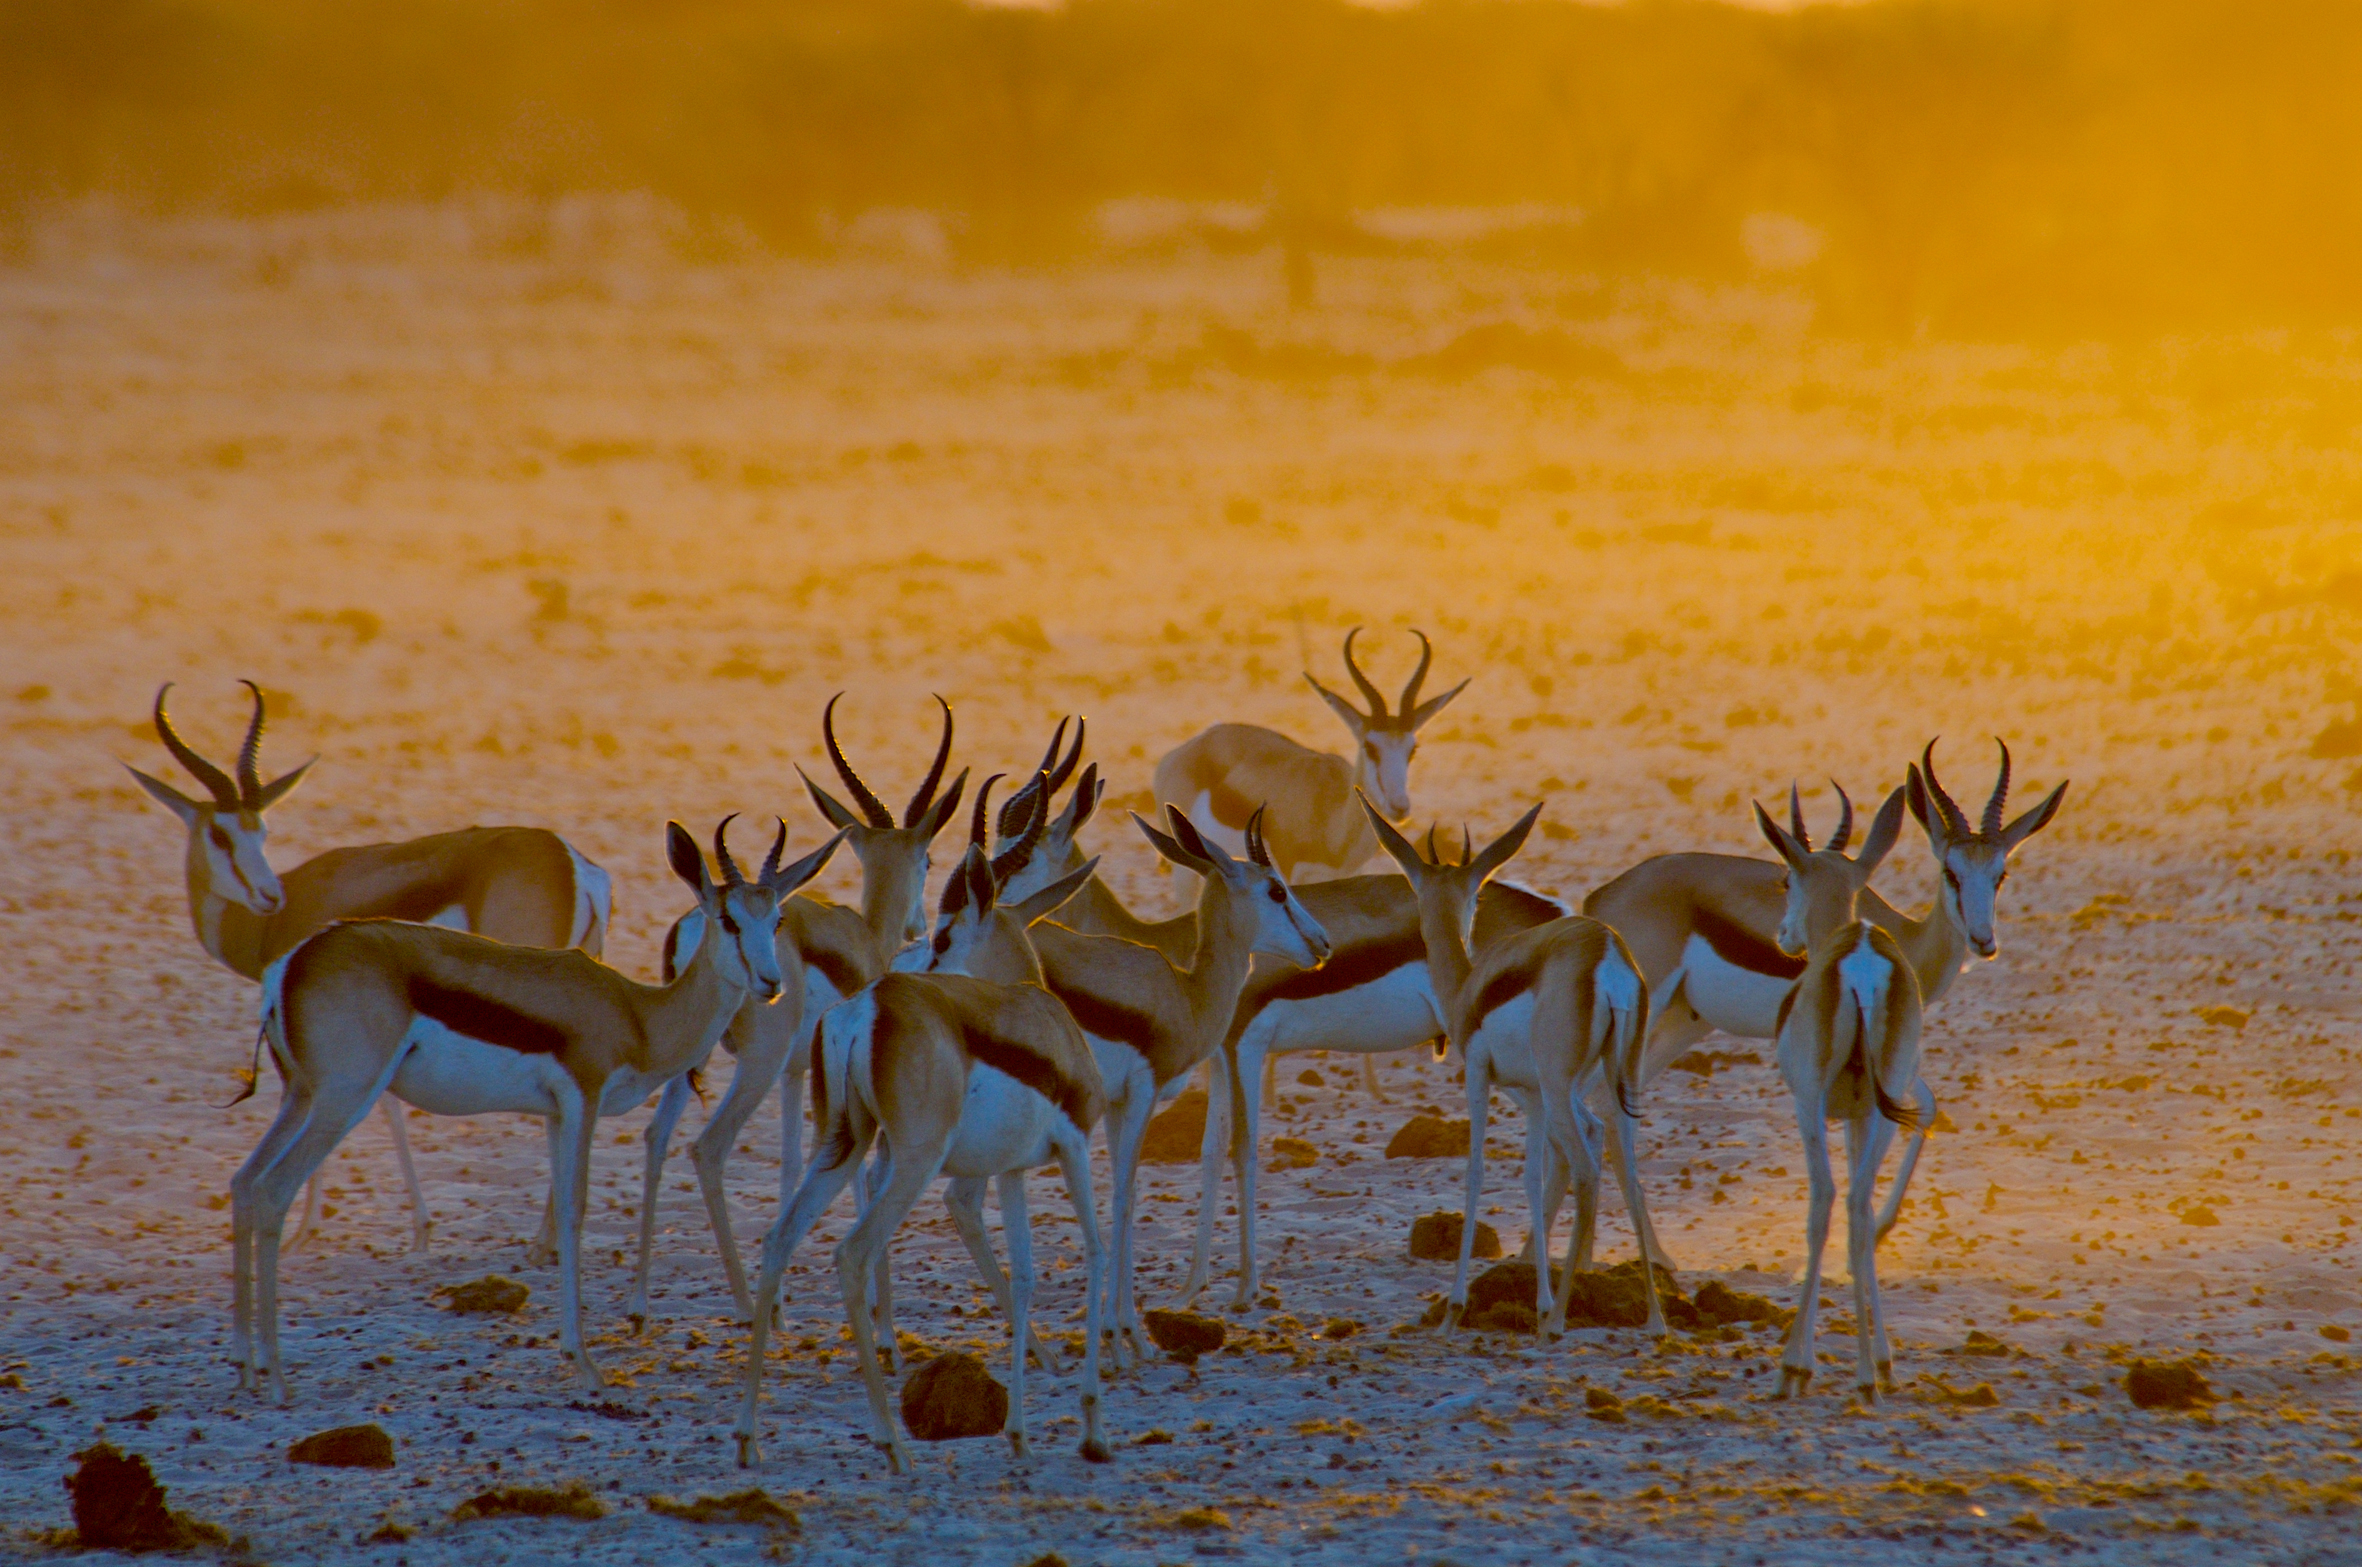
x: 1869, y: 985
x: 845, y: 1031
x: 594, y: 899
x: 1619, y: 1025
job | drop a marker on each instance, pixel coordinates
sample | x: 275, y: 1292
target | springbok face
x: 1447, y: 892
x: 895, y: 860
x: 1975, y: 862
x: 744, y: 911
x: 1823, y: 885
x: 1284, y: 928
x: 226, y: 832
x: 964, y: 922
x: 1383, y: 742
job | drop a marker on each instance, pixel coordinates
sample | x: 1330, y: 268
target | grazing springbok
x: 1849, y: 1051
x: 1703, y: 926
x: 842, y: 949
x: 1312, y: 828
x: 516, y: 884
x: 1150, y: 1020
x: 960, y: 1077
x: 460, y: 1025
x: 1534, y: 1012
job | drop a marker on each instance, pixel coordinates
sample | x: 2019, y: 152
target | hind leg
x: 421, y: 1226
x: 1222, y: 1114
x: 1074, y: 1162
x: 659, y: 1140
x: 1017, y: 1229
x: 331, y: 1119
x: 857, y: 1260
x: 760, y: 1061
x: 820, y: 1187
x: 295, y: 1110
x: 1796, y: 1360
x: 964, y: 1199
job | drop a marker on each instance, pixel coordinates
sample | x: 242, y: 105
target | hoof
x: 1018, y: 1446
x: 1867, y: 1392
x: 638, y: 1320
x: 1095, y: 1452
x: 1451, y: 1316
x: 749, y: 1454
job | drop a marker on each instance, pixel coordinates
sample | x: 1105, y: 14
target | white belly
x: 1004, y: 1125
x: 1505, y: 1042
x: 1397, y: 1011
x: 1125, y: 1073
x: 1734, y: 999
x: 445, y: 1073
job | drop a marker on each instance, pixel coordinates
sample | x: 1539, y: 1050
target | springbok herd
x: 460, y: 973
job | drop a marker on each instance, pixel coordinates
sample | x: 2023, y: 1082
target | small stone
x: 490, y: 1295
x: 573, y: 1500
x: 1429, y: 1137
x: 1602, y: 1405
x: 1436, y: 1238
x: 753, y: 1505
x: 2199, y: 1214
x: 1185, y: 1335
x: 2167, y: 1384
x: 1311, y: 1079
x: 953, y: 1397
x: 1346, y: 1327
x: 1981, y: 1343
x: 1293, y: 1153
x: 345, y: 1447
x: 1176, y: 1134
x: 2335, y: 1334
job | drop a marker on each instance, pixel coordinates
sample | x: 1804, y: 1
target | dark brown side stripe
x: 1007, y: 1055
x: 837, y: 969
x: 1735, y: 944
x: 1498, y: 991
x: 1108, y: 1019
x: 478, y: 1017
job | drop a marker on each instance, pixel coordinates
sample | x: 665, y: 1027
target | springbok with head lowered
x: 960, y: 1077
x: 459, y: 1025
x: 1848, y: 1048
x: 1535, y: 1012
x: 1150, y: 1020
x: 521, y: 885
x: 1703, y: 926
x: 841, y: 950
x: 1311, y: 825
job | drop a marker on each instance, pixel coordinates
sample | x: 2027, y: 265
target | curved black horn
x: 983, y: 803
x: 250, y: 755
x: 1256, y: 850
x: 1065, y: 770
x: 1016, y: 855
x: 1804, y: 840
x: 1431, y: 826
x: 778, y: 848
x: 1954, y: 823
x: 731, y: 876
x: 1369, y: 692
x: 871, y: 806
x: 1410, y: 692
x: 1845, y: 817
x: 926, y: 795
x: 216, y: 782
x: 1467, y: 846
x: 2000, y: 798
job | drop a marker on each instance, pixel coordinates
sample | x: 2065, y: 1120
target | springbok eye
x: 1952, y: 877
x: 1279, y: 894
x: 943, y: 941
x: 728, y: 923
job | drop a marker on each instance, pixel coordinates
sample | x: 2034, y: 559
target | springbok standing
x: 521, y: 885
x: 460, y: 1025
x: 1535, y: 1012
x: 1312, y: 828
x: 961, y: 1077
x: 842, y: 950
x: 1703, y: 926
x: 1849, y: 1051
x: 1151, y: 1021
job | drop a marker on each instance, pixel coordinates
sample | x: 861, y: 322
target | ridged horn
x: 983, y: 804
x: 863, y: 796
x: 1369, y: 692
x: 1796, y: 829
x: 1954, y: 823
x: 1256, y: 850
x: 216, y: 782
x: 1992, y: 828
x: 778, y: 849
x: 1845, y: 817
x: 1015, y: 856
x: 1410, y: 692
x: 250, y: 754
x: 731, y: 875
x: 926, y: 795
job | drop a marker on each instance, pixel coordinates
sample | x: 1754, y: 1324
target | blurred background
x: 1960, y: 166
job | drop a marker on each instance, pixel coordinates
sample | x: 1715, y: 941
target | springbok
x: 842, y: 950
x: 961, y: 1077
x: 1312, y: 828
x: 1703, y: 926
x: 522, y: 885
x: 1534, y: 1012
x: 1151, y: 1021
x: 457, y: 1024
x: 1849, y: 1051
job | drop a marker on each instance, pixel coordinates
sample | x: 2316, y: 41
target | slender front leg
x: 1074, y: 1160
x: 544, y: 1248
x: 759, y: 1065
x: 1127, y: 1124
x: 1541, y: 1155
x: 964, y: 1199
x: 1480, y: 1089
x: 1222, y: 1075
x: 659, y: 1140
x: 421, y: 1227
x: 576, y: 1124
x: 1636, y: 1204
x: 857, y: 1260
x: 1369, y: 1079
x: 1796, y: 1361
x: 1246, y: 1139
x: 820, y: 1187
x: 1017, y: 1227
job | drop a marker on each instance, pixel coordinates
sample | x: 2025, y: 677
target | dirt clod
x: 345, y: 1447
x: 1720, y: 1303
x: 118, y: 1506
x: 753, y: 1505
x: 1982, y: 1343
x: 491, y: 1294
x: 573, y: 1500
x: 1176, y: 1133
x: 952, y: 1397
x: 1600, y: 1404
x: 1293, y: 1153
x: 1501, y: 1300
x: 1185, y: 1335
x: 1429, y: 1137
x: 2167, y: 1384
x: 1435, y: 1237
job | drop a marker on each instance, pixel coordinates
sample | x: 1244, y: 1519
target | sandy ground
x: 538, y: 519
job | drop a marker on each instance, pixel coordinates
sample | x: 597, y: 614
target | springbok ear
x: 1427, y: 710
x: 1170, y: 849
x: 1052, y: 898
x: 2033, y: 821
x: 688, y: 860
x: 943, y: 810
x: 168, y: 797
x: 1350, y: 716
x: 983, y: 891
x: 1397, y: 847
x: 1884, y: 828
x: 1777, y: 838
x: 835, y: 814
x: 1504, y: 848
x: 788, y: 878
x: 1084, y: 801
x: 280, y: 787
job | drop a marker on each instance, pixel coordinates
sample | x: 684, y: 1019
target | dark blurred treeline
x: 1975, y: 165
